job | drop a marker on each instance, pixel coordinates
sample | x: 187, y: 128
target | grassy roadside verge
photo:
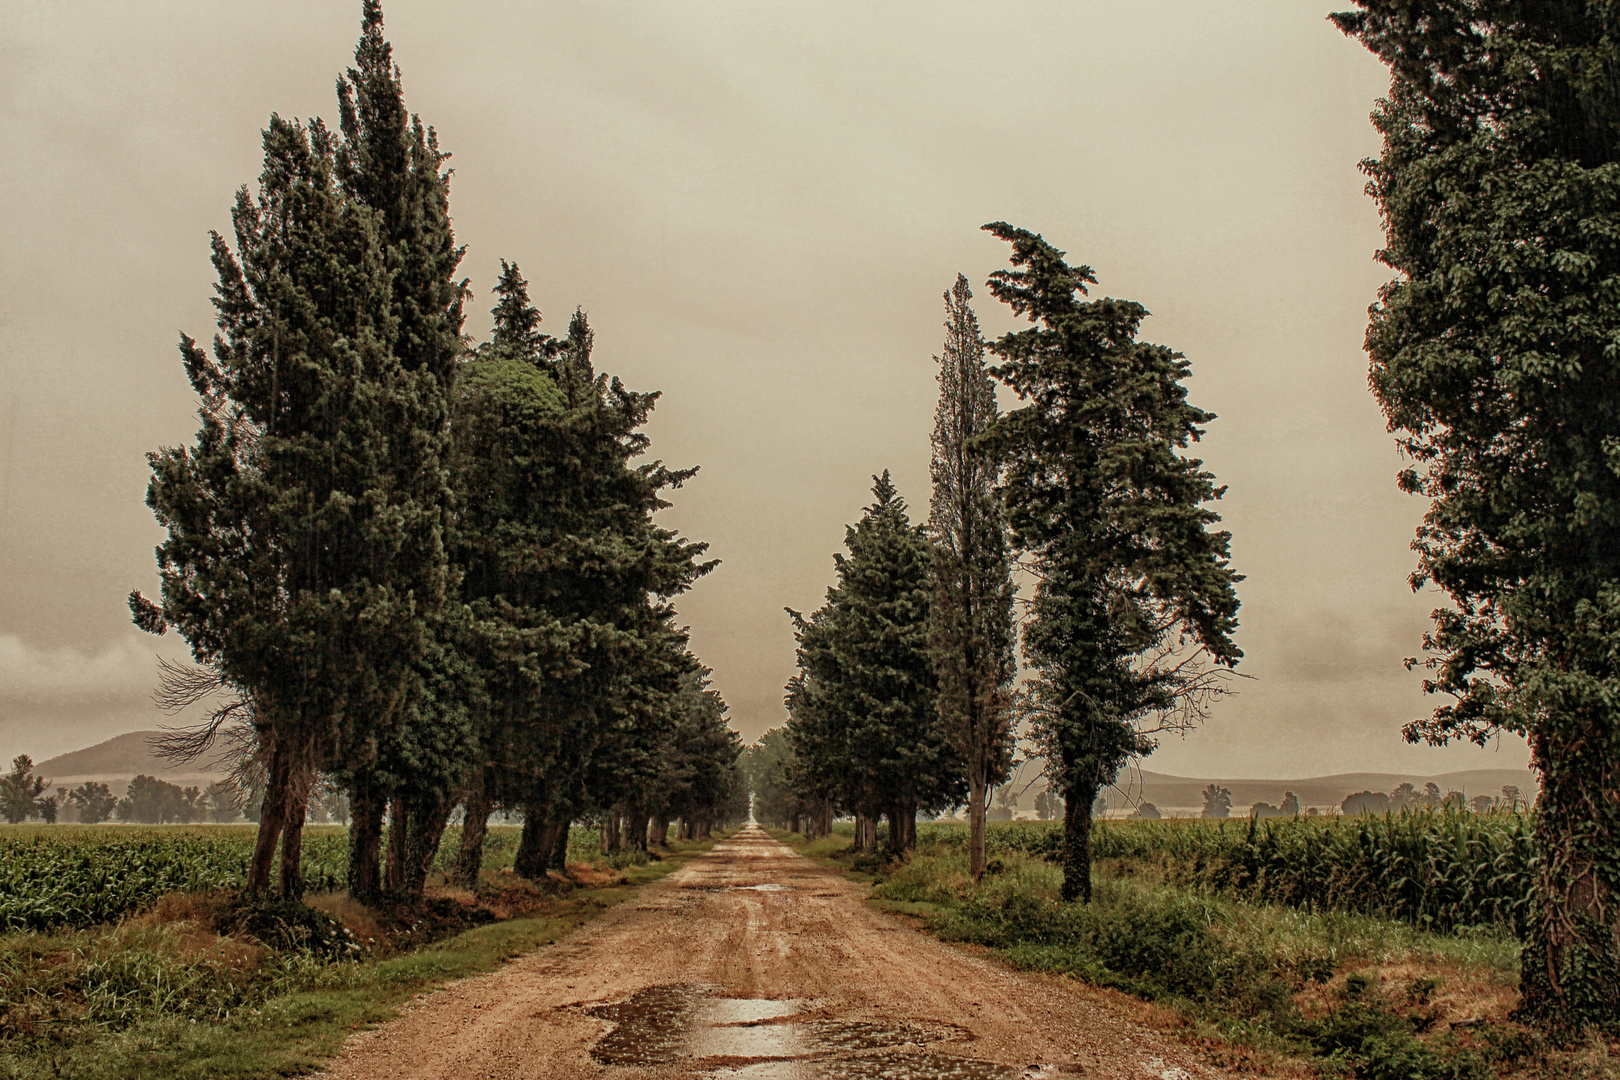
x: 1259, y: 988
x: 185, y: 990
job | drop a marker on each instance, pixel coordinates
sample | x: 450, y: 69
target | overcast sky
x: 759, y: 204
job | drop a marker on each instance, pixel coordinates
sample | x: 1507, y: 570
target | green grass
x: 1338, y: 992
x: 167, y: 994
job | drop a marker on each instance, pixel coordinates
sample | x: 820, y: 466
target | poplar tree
x: 1493, y: 355
x: 971, y: 633
x: 1134, y: 592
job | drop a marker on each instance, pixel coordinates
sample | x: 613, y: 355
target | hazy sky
x: 759, y: 204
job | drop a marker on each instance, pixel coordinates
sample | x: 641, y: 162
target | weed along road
x: 754, y: 962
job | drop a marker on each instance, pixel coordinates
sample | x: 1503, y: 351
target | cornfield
x: 66, y: 876
x: 77, y: 877
x: 1436, y: 869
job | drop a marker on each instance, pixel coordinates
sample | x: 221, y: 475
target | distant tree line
x: 420, y: 573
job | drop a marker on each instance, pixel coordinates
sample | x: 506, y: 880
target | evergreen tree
x: 1116, y: 520
x: 281, y: 536
x: 566, y: 578
x: 20, y: 791
x: 865, y: 701
x: 971, y: 634
x: 417, y: 756
x: 1493, y: 356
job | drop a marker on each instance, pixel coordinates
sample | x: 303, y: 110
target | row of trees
x: 426, y: 573
x: 904, y: 698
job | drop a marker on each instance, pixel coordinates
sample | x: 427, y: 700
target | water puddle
x: 762, y: 1039
x: 649, y: 1027
x: 769, y: 887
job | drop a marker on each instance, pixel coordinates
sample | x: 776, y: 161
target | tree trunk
x: 296, y: 803
x: 425, y: 824
x: 394, y: 872
x: 660, y: 831
x: 365, y: 841
x: 612, y: 837
x: 272, y: 817
x: 1077, y: 841
x: 474, y: 827
x: 559, y: 848
x: 897, y: 829
x: 860, y: 833
x: 978, y: 797
x: 534, y: 846
x: 1569, y: 970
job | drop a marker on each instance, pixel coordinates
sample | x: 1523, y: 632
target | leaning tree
x: 1135, y: 605
x: 1494, y: 356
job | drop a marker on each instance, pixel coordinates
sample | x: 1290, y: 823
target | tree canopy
x: 1134, y: 589
x: 1493, y: 356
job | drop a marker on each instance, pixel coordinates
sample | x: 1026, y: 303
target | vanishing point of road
x: 753, y: 963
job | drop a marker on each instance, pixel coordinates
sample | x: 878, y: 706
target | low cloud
x: 35, y: 675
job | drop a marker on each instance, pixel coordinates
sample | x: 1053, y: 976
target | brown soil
x: 752, y: 962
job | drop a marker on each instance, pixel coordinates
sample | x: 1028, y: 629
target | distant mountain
x: 119, y: 760
x: 1182, y: 793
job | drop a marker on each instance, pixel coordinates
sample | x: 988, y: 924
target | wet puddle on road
x: 761, y: 1039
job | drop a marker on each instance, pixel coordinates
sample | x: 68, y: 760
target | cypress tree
x: 1116, y: 519
x: 280, y: 543
x: 971, y: 633
x: 567, y: 578
x: 415, y: 755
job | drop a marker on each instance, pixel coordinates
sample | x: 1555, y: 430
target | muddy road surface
x: 753, y: 962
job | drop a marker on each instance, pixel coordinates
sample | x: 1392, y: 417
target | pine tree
x: 1493, y: 356
x: 864, y: 708
x: 1116, y: 521
x: 971, y: 633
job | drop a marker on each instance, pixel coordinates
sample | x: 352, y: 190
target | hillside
x: 120, y: 759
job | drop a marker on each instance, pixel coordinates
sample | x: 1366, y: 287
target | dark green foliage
x: 1132, y: 575
x: 20, y: 791
x: 565, y: 576
x: 769, y: 765
x: 304, y: 559
x: 865, y: 727
x: 1493, y: 357
x: 699, y: 777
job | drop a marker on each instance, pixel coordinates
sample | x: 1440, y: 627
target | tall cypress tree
x: 1116, y: 519
x: 1493, y: 355
x: 415, y: 754
x: 971, y: 633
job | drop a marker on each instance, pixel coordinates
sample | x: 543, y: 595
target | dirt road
x: 753, y: 962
